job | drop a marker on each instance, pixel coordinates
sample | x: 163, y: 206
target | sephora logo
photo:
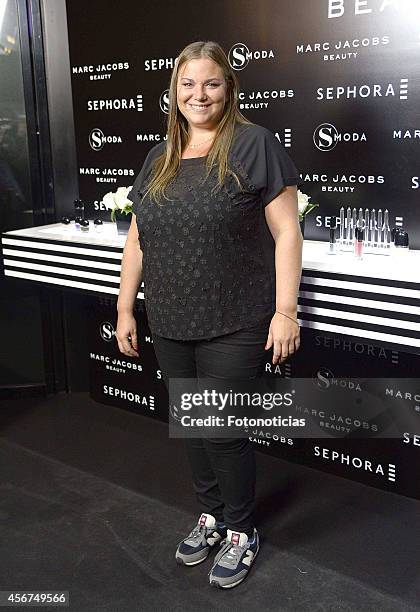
x: 120, y: 104
x: 97, y: 139
x: 285, y: 138
x: 372, y: 90
x: 350, y: 346
x: 239, y: 55
x: 387, y: 470
x: 161, y: 63
x: 326, y: 137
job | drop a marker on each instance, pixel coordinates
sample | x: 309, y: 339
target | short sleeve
x: 137, y: 190
x: 266, y: 161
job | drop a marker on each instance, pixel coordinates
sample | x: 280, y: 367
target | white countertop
x: 108, y: 236
x: 400, y: 265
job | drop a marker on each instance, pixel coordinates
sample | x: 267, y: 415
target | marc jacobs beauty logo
x: 150, y: 137
x: 115, y: 364
x: 260, y: 99
x: 342, y: 183
x: 108, y: 175
x: 339, y: 50
x: 100, y: 71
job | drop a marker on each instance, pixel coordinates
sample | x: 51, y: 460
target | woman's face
x: 201, y: 92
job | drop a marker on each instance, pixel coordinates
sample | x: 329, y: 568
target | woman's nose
x: 199, y: 92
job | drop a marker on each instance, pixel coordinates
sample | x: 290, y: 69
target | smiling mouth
x: 198, y: 107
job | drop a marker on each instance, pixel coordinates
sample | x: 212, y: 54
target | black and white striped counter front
x: 375, y: 299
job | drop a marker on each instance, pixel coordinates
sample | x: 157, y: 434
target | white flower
x: 121, y: 197
x: 117, y: 200
x: 303, y: 201
x: 108, y: 200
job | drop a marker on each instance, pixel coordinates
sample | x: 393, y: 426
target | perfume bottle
x: 386, y: 234
x: 359, y: 242
x: 98, y: 225
x: 348, y: 241
x: 401, y: 242
x: 372, y: 230
x: 341, y: 239
x: 79, y: 211
x: 333, y: 242
x: 379, y: 231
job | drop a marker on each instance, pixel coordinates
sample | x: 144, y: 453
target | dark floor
x: 94, y: 499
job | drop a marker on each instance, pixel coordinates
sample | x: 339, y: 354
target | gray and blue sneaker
x: 203, y: 538
x: 234, y: 559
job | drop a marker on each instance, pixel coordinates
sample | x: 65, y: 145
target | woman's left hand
x: 283, y: 336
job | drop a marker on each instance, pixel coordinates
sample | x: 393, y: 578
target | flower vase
x: 302, y: 227
x: 123, y: 222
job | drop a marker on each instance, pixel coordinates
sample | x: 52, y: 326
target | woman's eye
x: 213, y: 84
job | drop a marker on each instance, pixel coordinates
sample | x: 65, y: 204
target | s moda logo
x: 164, y: 101
x: 326, y: 137
x: 324, y: 379
x: 97, y: 139
x: 107, y: 331
x: 239, y: 55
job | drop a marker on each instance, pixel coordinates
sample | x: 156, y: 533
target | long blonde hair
x: 166, y: 165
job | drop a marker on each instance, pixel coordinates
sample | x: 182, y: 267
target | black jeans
x: 223, y: 469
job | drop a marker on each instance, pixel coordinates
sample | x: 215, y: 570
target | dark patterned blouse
x: 208, y: 258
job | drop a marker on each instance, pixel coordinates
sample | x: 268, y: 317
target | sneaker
x: 205, y: 536
x: 234, y: 559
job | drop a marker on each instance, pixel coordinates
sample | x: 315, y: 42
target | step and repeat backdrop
x: 336, y: 81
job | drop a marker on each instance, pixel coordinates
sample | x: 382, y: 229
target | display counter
x: 376, y: 298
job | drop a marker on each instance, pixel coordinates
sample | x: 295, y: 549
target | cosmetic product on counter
x: 353, y: 225
x: 341, y: 239
x: 347, y: 243
x: 386, y: 234
x: 98, y: 225
x: 372, y: 231
x: 401, y: 242
x: 360, y: 218
x: 366, y: 220
x: 79, y: 208
x: 77, y: 221
x: 358, y: 242
x: 84, y: 225
x: 65, y: 220
x: 379, y: 231
x: 333, y: 242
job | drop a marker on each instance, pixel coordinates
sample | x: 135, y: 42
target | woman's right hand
x: 127, y: 328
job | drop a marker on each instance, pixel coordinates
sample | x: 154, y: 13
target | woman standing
x: 215, y: 217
